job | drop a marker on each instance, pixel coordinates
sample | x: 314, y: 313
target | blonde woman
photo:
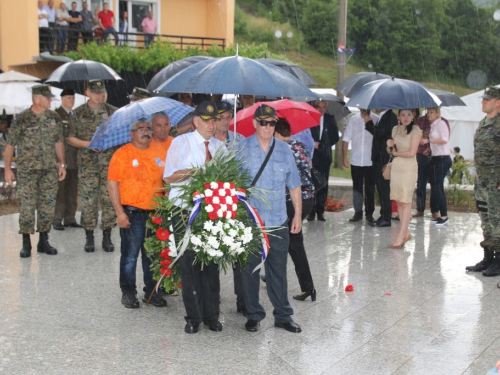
x: 404, y: 172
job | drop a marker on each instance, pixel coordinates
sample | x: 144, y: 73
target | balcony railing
x: 57, y: 40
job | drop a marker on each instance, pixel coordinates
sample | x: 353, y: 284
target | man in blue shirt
x: 279, y: 173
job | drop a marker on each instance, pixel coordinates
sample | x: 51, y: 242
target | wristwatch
x: 63, y: 165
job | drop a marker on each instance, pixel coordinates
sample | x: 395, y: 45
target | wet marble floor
x: 412, y: 311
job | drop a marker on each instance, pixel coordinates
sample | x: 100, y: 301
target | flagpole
x: 342, y: 36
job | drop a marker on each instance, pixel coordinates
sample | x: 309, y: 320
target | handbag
x: 386, y: 170
x: 318, y: 179
x: 268, y: 156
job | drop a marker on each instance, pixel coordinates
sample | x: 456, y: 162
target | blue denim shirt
x: 280, y: 173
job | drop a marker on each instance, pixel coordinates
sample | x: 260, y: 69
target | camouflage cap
x: 264, y: 111
x: 206, y: 110
x: 491, y: 93
x: 96, y: 85
x: 43, y: 90
x: 140, y: 93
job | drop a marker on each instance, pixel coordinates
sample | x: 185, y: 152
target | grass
x: 340, y: 172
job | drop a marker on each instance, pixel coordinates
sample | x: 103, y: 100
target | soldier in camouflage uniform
x: 40, y: 163
x: 138, y: 94
x: 487, y: 161
x: 93, y: 166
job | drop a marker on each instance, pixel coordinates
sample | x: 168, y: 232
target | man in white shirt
x: 43, y: 27
x: 362, y: 171
x: 200, y: 289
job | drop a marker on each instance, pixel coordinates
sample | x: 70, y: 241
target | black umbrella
x: 335, y: 105
x: 448, y: 99
x: 172, y: 69
x: 83, y: 70
x: 294, y: 69
x: 353, y: 83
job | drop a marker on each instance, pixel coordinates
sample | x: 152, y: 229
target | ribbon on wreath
x: 197, y: 200
x: 254, y: 215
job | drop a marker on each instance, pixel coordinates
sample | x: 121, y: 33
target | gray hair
x: 158, y: 115
x: 143, y: 120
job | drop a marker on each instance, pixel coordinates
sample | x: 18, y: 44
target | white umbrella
x: 13, y: 76
x: 15, y: 97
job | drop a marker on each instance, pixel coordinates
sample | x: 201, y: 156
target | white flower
x: 229, y: 200
x: 247, y: 230
x: 209, y: 208
x: 212, y: 252
x: 207, y: 225
x: 228, y: 214
x: 216, y: 200
x: 214, y: 185
x: 212, y: 241
x: 226, y: 240
x: 195, y: 240
x: 223, y: 207
x: 222, y: 192
x: 208, y: 193
x: 241, y: 225
x: 220, y: 213
x: 233, y: 192
x: 226, y: 185
x: 246, y: 238
x: 227, y: 226
x: 235, y: 207
x: 233, y: 233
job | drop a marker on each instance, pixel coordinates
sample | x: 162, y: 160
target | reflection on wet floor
x: 412, y: 311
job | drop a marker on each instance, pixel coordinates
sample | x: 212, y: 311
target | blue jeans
x: 62, y: 34
x: 110, y: 30
x: 132, y: 243
x: 440, y: 165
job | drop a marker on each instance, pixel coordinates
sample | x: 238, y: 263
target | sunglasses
x: 265, y: 123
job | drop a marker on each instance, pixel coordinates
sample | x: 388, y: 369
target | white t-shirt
x: 361, y: 140
x: 43, y: 22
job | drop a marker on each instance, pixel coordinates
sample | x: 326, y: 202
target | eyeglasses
x: 271, y: 123
x: 143, y: 130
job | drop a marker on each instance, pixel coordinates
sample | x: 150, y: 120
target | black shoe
x: 26, y: 250
x: 355, y: 218
x: 395, y: 218
x: 375, y: 222
x: 214, y: 325
x: 89, y: 241
x: 72, y: 225
x: 290, y: 326
x: 370, y: 219
x: 381, y: 224
x: 441, y: 222
x: 302, y: 297
x: 191, y: 327
x: 311, y: 216
x: 107, y: 245
x: 156, y: 300
x: 263, y: 277
x: 130, y: 301
x: 482, y: 265
x: 494, y: 268
x: 321, y: 217
x: 44, y: 246
x: 58, y: 226
x: 252, y: 325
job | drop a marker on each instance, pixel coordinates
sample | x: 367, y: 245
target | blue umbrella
x: 237, y: 75
x: 115, y: 130
x: 393, y: 93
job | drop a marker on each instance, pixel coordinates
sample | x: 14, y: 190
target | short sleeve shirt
x: 139, y: 173
x: 165, y: 145
x: 106, y: 19
x: 35, y: 136
x: 279, y: 174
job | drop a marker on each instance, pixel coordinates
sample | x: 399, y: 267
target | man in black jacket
x: 325, y: 135
x: 382, y: 131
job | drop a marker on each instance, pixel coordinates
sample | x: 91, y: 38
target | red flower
x: 209, y: 200
x: 166, y: 262
x: 221, y: 184
x: 166, y: 271
x: 233, y: 214
x: 164, y: 252
x: 231, y: 185
x: 213, y: 215
x: 162, y: 234
x: 206, y: 186
x: 179, y: 285
x: 228, y: 192
x: 156, y: 220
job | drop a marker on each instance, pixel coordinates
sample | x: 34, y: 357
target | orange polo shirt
x: 139, y: 173
x: 165, y: 145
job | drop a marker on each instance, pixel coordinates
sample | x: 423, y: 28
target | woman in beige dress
x: 404, y: 171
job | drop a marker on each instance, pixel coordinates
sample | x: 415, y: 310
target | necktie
x: 208, y: 156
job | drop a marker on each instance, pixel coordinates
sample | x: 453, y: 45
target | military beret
x: 264, y: 111
x: 491, y: 93
x: 67, y: 92
x: 206, y: 110
x: 43, y: 90
x: 223, y: 107
x: 139, y: 93
x: 96, y: 85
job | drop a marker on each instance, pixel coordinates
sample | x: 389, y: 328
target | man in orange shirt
x: 134, y: 179
x: 161, y: 130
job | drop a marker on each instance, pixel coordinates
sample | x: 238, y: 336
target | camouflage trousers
x: 488, y: 206
x: 92, y: 185
x: 37, y: 190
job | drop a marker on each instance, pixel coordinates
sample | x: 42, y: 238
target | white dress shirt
x: 361, y: 140
x: 187, y: 151
x: 321, y: 127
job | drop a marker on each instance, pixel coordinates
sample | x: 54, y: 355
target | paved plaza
x: 412, y: 311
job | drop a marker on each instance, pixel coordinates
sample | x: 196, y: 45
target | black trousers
x: 87, y: 36
x: 320, y: 196
x: 423, y: 177
x: 74, y: 33
x: 296, y: 248
x: 363, y: 176
x: 384, y: 191
x: 439, y: 167
x: 200, y: 287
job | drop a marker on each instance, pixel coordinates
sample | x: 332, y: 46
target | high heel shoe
x: 400, y: 246
x: 303, y: 296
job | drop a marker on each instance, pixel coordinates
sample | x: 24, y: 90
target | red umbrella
x: 300, y: 115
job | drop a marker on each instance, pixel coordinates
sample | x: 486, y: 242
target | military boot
x: 89, y: 241
x: 494, y: 268
x: 26, y: 250
x: 107, y: 245
x: 482, y: 265
x: 44, y: 246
